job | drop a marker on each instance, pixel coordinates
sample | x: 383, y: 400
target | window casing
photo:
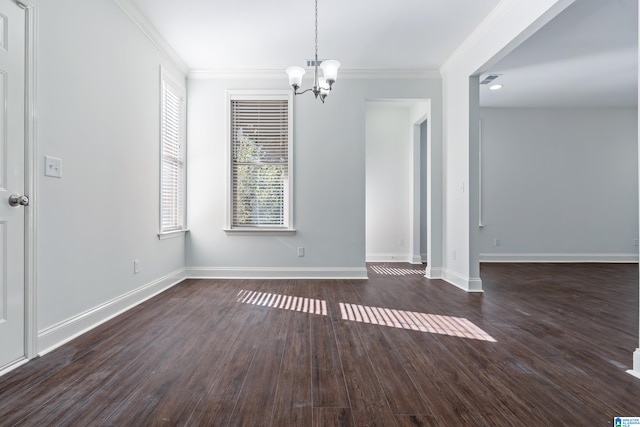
x: 260, y: 161
x: 172, y: 156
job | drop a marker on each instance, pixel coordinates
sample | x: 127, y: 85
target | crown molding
x: 230, y: 74
x: 390, y: 74
x: 152, y: 34
x: 343, y: 74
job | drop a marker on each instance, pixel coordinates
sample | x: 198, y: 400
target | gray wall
x: 559, y: 184
x: 329, y: 176
x: 98, y: 82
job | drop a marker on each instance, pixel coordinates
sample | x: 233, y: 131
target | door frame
x: 420, y: 112
x: 31, y: 179
x: 30, y: 342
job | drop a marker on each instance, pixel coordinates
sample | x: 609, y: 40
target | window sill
x: 261, y: 231
x: 172, y: 234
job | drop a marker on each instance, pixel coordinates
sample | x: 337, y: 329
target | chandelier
x: 321, y: 85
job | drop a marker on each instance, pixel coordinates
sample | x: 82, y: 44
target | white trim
x: 275, y: 273
x: 416, y: 259
x: 467, y: 284
x: 179, y: 85
x: 433, y: 273
x: 263, y: 95
x: 636, y: 364
x: 13, y: 365
x: 478, y: 34
x: 259, y: 94
x: 495, y: 17
x: 31, y: 178
x: 636, y: 356
x: 390, y: 74
x: 152, y: 34
x: 237, y: 74
x: 26, y: 4
x: 57, y: 335
x: 396, y: 257
x: 480, y: 222
x: 557, y: 257
x: 257, y: 231
x: 172, y: 234
x: 280, y: 74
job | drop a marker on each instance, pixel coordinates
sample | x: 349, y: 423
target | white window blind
x: 172, y: 157
x: 260, y: 164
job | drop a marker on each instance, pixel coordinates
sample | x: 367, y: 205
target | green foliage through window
x: 260, y: 163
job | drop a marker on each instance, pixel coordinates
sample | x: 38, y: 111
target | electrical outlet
x: 497, y: 242
x: 52, y: 167
x: 301, y: 251
x: 635, y: 242
x: 136, y: 266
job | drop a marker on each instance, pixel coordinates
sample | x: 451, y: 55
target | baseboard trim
x: 636, y: 364
x: 388, y: 258
x: 467, y: 284
x: 559, y: 258
x: 13, y: 365
x: 433, y: 273
x: 63, y: 332
x: 275, y: 273
x: 416, y: 259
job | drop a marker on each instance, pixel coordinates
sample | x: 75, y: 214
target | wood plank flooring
x: 200, y: 355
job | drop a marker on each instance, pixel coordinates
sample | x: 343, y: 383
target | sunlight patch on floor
x: 285, y: 302
x: 411, y: 320
x: 432, y: 323
x: 394, y: 271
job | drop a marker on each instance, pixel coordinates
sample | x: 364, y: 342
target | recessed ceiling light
x: 495, y: 87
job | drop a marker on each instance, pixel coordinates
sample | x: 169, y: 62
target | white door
x: 12, y: 160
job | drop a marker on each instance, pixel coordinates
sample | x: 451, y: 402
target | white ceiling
x: 587, y: 56
x: 274, y: 34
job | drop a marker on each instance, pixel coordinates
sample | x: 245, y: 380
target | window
x: 260, y: 161
x: 172, y: 156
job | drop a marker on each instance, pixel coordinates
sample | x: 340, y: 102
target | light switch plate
x: 52, y: 167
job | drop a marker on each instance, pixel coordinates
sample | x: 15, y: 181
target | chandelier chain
x: 321, y: 85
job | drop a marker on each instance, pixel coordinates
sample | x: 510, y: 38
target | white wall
x: 388, y: 183
x: 636, y: 355
x: 98, y: 83
x: 329, y: 179
x: 507, y: 26
x: 559, y: 184
x: 424, y: 180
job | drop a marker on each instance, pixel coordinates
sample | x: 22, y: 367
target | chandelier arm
x: 296, y: 73
x: 304, y: 91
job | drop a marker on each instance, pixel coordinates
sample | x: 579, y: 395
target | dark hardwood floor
x: 544, y: 345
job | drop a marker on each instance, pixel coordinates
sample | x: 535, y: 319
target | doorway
x: 397, y: 135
